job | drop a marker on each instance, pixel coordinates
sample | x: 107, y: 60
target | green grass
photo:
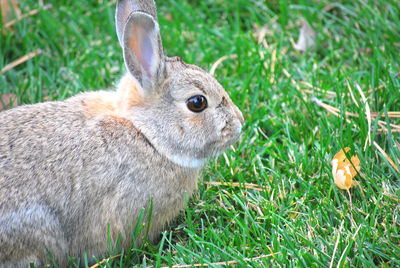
x: 288, y: 141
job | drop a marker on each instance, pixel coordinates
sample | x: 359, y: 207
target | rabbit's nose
x: 236, y: 110
x: 239, y: 115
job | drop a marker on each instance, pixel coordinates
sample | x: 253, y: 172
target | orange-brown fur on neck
x: 128, y: 94
x: 99, y: 103
x: 114, y: 104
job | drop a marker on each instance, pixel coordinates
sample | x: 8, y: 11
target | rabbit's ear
x: 139, y: 35
x: 143, y: 53
x: 126, y: 7
x: 123, y: 10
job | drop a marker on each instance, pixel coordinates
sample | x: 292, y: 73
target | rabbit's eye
x: 197, y: 103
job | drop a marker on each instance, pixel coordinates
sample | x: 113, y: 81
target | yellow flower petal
x: 341, y: 156
x: 343, y: 170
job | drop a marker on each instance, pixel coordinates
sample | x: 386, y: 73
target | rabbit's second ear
x: 143, y: 53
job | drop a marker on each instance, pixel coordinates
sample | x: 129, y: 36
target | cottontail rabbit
x: 75, y: 172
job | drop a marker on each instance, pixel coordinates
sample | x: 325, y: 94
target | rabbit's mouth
x: 213, y: 149
x: 221, y: 145
x: 229, y: 134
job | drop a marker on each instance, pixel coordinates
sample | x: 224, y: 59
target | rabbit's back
x: 73, y: 169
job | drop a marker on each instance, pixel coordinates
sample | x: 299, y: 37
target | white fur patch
x: 185, y: 161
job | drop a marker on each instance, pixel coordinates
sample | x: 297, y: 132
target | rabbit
x: 78, y: 172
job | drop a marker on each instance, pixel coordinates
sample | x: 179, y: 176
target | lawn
x: 271, y: 199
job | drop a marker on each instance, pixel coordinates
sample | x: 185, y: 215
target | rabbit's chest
x: 121, y: 183
x: 168, y: 198
x: 161, y: 186
x: 165, y: 189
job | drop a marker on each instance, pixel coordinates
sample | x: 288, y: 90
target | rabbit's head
x: 182, y: 110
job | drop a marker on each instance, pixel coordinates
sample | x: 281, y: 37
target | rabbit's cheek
x: 195, y: 120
